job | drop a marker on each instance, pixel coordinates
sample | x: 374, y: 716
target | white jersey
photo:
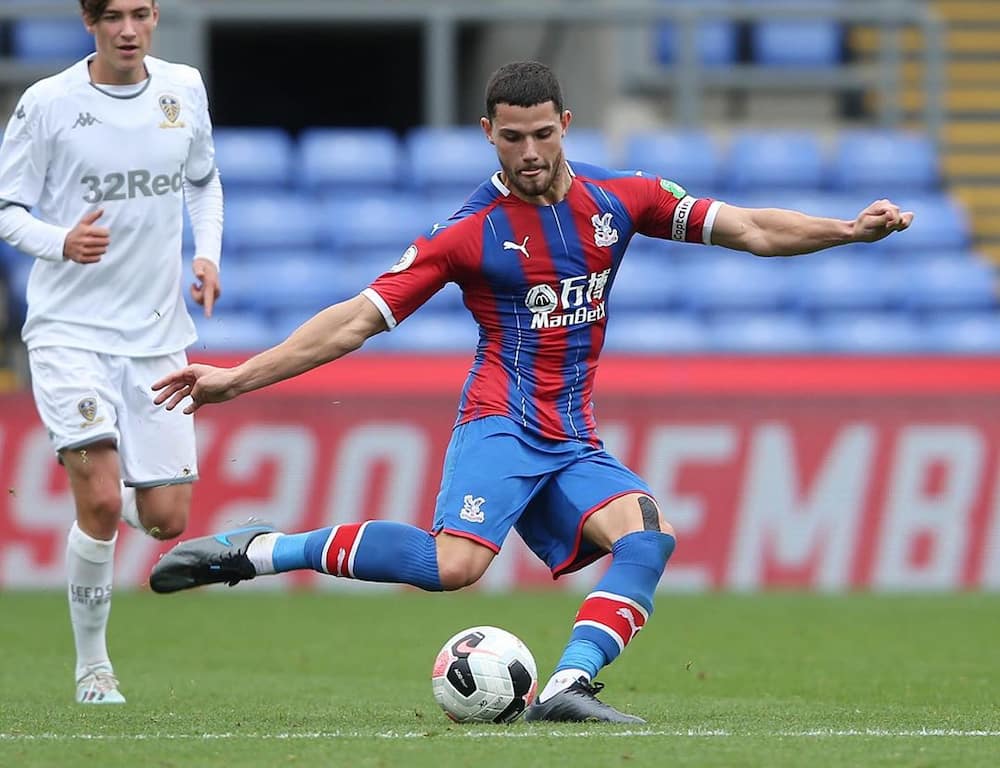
x: 72, y: 147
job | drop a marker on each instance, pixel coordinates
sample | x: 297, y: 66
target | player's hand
x: 878, y: 220
x: 86, y: 243
x: 202, y: 383
x: 207, y: 288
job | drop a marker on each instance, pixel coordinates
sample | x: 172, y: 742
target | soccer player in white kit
x: 96, y: 164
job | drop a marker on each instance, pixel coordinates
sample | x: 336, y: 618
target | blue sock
x: 378, y: 550
x: 620, y: 604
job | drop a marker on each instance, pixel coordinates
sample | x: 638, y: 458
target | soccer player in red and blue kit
x: 535, y: 251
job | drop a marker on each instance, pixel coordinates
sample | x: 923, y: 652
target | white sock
x: 261, y: 552
x: 130, y: 512
x: 561, y: 680
x: 89, y: 570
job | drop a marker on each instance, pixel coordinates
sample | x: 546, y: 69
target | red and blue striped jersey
x: 536, y: 278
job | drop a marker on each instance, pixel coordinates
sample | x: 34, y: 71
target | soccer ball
x: 484, y: 675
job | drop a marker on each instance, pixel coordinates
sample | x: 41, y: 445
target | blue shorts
x: 498, y: 476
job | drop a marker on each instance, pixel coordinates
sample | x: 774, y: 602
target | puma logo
x: 523, y: 247
x: 626, y: 614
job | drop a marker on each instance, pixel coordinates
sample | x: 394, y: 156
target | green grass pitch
x: 250, y: 678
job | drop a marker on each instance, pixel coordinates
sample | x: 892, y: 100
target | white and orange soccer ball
x: 484, y: 675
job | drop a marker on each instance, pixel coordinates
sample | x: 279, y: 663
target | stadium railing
x: 688, y: 79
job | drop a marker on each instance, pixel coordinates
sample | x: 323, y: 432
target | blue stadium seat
x: 254, y: 157
x: 349, y: 159
x: 840, y: 280
x: 884, y: 163
x: 967, y: 333
x: 870, y: 333
x: 427, y: 331
x: 719, y: 281
x: 797, y: 41
x: 375, y: 221
x: 456, y: 159
x: 282, y: 220
x: 644, y: 282
x: 716, y: 39
x: 233, y: 332
x: 40, y: 39
x: 654, y: 333
x: 691, y: 159
x: 949, y: 283
x: 588, y: 145
x: 940, y: 226
x: 308, y: 280
x: 775, y: 160
x: 760, y: 333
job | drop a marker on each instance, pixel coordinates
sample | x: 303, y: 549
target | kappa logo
x: 436, y: 228
x: 88, y: 408
x: 85, y: 120
x: 472, y: 508
x: 170, y: 105
x: 604, y: 234
x: 523, y: 247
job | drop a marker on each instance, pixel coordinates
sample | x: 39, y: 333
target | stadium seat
x: 588, y: 145
x: 427, y: 331
x: 654, y: 333
x: 307, y: 279
x: 644, y: 282
x: 760, y: 333
x: 40, y: 39
x: 884, y: 163
x: 233, y: 332
x: 940, y: 226
x: 870, y: 333
x: 724, y: 282
x: 375, y: 221
x: 972, y: 333
x: 281, y: 221
x: 716, y: 38
x: 949, y: 282
x: 841, y: 280
x: 254, y: 157
x: 456, y: 159
x: 354, y: 159
x: 691, y: 159
x: 774, y: 160
x: 797, y: 41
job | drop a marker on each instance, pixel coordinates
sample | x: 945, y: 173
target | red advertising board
x: 808, y: 473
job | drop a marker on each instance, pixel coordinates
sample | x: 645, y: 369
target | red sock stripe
x: 618, y: 616
x: 340, y: 549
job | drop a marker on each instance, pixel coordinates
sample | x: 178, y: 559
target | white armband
x: 30, y: 235
x: 204, y: 204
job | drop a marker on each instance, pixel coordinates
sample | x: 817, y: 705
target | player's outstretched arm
x: 777, y: 232
x: 328, y: 335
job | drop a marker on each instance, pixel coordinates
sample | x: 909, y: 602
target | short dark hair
x: 94, y: 9
x: 522, y: 84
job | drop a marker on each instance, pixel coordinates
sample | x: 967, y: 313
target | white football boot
x: 98, y: 686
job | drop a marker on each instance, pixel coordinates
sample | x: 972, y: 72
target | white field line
x: 501, y: 733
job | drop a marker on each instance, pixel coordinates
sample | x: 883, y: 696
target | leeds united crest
x: 88, y: 408
x: 170, y: 105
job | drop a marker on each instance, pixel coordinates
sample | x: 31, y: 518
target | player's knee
x: 456, y: 573
x: 104, y: 503
x: 164, y: 524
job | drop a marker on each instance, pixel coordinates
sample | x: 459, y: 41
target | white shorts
x: 84, y: 397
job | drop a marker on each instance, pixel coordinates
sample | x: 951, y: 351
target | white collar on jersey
x: 503, y: 187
